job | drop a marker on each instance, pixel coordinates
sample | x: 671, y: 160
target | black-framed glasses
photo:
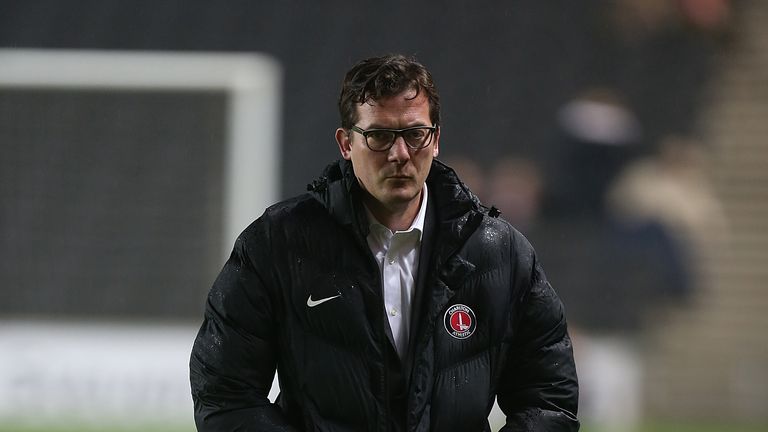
x: 379, y: 140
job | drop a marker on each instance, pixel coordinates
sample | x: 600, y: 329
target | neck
x: 398, y: 217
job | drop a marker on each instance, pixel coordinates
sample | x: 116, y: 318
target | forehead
x: 402, y: 108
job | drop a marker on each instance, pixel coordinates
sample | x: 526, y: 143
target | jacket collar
x: 338, y: 190
x: 457, y: 214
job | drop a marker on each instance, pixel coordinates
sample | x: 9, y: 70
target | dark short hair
x: 379, y: 77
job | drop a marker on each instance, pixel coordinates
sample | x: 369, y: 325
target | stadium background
x: 115, y: 267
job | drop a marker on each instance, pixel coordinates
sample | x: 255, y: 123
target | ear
x: 344, y: 140
x: 436, y: 143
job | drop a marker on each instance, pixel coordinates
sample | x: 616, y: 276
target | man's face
x: 394, y: 178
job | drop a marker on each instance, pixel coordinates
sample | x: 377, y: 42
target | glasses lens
x: 380, y: 139
x: 417, y: 137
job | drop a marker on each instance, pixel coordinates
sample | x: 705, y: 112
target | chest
x: 337, y: 295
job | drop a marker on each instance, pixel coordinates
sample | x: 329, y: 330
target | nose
x: 399, y: 151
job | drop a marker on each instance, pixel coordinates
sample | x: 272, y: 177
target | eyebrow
x: 377, y: 126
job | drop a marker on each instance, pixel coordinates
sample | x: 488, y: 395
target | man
x: 387, y: 298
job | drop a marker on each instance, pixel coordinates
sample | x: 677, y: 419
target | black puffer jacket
x: 486, y: 322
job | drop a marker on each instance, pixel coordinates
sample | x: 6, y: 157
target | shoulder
x: 496, y: 247
x: 496, y: 233
x: 301, y: 210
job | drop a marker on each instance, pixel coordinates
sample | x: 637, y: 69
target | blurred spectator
x: 515, y: 187
x: 639, y: 18
x: 672, y: 188
x: 610, y: 273
x: 599, y: 134
x: 710, y: 15
x: 470, y: 172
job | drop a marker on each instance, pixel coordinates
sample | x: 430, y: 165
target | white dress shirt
x: 398, y: 256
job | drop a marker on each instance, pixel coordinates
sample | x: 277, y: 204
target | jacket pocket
x: 462, y: 395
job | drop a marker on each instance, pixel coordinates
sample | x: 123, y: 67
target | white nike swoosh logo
x: 313, y: 303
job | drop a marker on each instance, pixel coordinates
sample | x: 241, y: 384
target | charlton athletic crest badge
x: 460, y: 321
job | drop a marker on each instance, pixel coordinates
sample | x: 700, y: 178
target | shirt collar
x: 418, y: 222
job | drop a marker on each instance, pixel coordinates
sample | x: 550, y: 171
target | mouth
x: 399, y: 177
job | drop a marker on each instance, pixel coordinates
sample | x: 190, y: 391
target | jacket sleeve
x: 539, y: 388
x: 233, y: 359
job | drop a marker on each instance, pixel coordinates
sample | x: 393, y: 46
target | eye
x: 380, y: 136
x: 416, y: 134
